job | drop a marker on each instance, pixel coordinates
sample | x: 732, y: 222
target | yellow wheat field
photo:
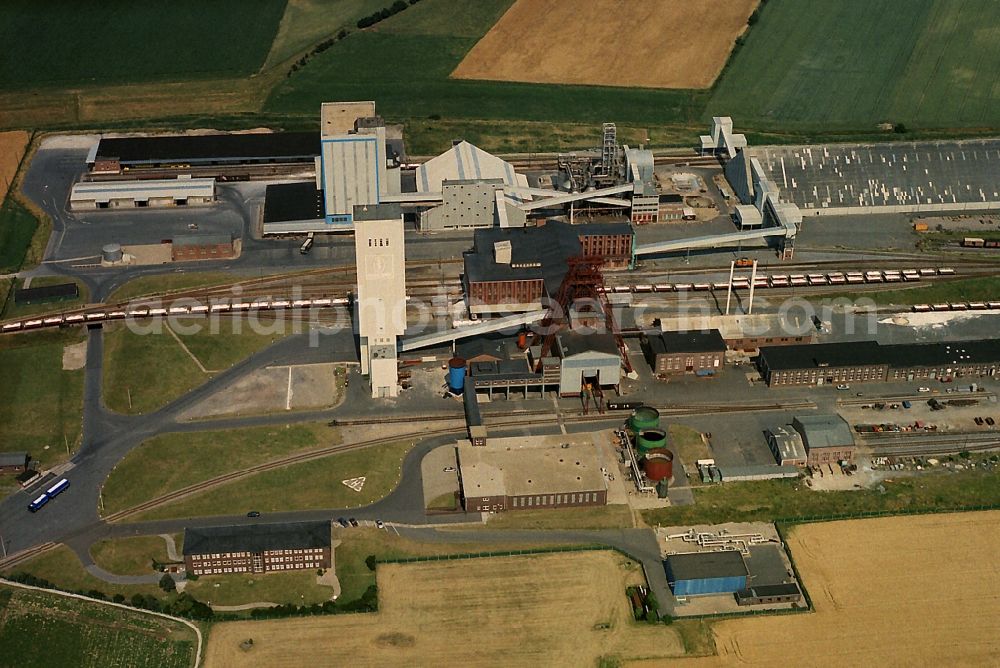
x: 12, y: 145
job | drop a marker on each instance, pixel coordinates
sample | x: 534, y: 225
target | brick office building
x: 675, y: 353
x: 257, y: 548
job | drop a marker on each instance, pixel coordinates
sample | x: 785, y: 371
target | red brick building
x: 202, y: 247
x: 257, y: 548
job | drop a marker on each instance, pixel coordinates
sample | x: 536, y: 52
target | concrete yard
x: 273, y: 389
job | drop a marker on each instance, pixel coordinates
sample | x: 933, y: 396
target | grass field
x: 173, y: 461
x: 17, y: 227
x: 595, y: 517
x: 133, y: 555
x: 427, y: 42
x: 306, y: 486
x: 42, y: 405
x: 143, y: 373
x: 145, y: 286
x: 566, y: 42
x: 14, y: 310
x: 870, y: 609
x: 307, y: 22
x: 790, y: 499
x: 41, y: 630
x: 297, y: 587
x: 62, y: 568
x: 856, y: 63
x: 971, y: 289
x: 543, y: 610
x: 120, y: 42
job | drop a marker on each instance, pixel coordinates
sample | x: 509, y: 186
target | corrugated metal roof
x: 103, y: 191
x: 823, y: 431
x: 464, y: 161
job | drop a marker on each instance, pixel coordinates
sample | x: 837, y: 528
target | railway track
x: 26, y: 555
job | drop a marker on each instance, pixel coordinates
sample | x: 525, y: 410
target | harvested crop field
x: 650, y: 44
x: 921, y: 590
x: 12, y: 145
x: 544, y: 610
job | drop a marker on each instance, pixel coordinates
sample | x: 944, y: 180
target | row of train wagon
x: 176, y: 310
x: 795, y: 280
x: 957, y: 306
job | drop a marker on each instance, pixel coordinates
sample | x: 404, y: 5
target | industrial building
x: 706, y: 573
x: 863, y: 179
x: 587, y: 361
x: 745, y: 332
x: 827, y: 438
x: 257, y: 548
x: 380, y: 304
x: 293, y: 208
x: 531, y: 473
x: 771, y: 594
x: 677, y: 353
x: 115, y: 154
x: 512, y: 270
x: 786, y: 445
x: 46, y: 293
x: 645, y: 195
x: 188, y: 247
x: 871, y: 362
x: 146, y: 193
x: 353, y: 163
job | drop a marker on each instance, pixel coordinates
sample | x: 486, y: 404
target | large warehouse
x: 706, y: 573
x: 528, y: 473
x: 146, y: 193
x: 870, y: 362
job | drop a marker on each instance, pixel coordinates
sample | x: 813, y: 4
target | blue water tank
x: 456, y: 375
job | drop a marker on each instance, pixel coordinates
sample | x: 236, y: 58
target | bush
x: 370, y: 562
x: 118, y: 598
x: 167, y: 584
x: 899, y: 129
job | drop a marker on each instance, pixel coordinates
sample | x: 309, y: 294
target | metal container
x: 651, y: 439
x: 111, y: 253
x: 658, y: 464
x: 456, y: 375
x: 662, y: 489
x: 644, y: 417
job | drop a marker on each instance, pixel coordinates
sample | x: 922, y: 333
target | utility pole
x: 753, y: 281
x: 729, y: 288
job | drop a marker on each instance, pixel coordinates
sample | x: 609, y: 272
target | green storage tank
x: 644, y: 417
x: 651, y: 439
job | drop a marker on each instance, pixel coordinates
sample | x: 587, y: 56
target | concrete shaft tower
x: 380, y: 305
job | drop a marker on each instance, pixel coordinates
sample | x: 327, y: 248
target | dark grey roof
x: 479, y: 347
x: 573, y: 343
x: 388, y: 211
x: 285, y: 146
x: 763, y: 591
x: 548, y: 246
x: 287, y: 202
x: 671, y: 198
x: 816, y: 355
x: 823, y: 431
x: 710, y: 341
x: 59, y: 291
x: 256, y: 537
x: 473, y: 417
x: 13, y: 458
x: 899, y: 356
x: 703, y: 565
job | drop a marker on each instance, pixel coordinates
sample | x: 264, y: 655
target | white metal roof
x: 104, y: 191
x: 465, y: 161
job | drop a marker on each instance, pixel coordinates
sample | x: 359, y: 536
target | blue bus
x: 48, y: 495
x: 38, y: 503
x: 57, y: 488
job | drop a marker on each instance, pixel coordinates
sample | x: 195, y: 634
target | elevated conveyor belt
x: 486, y: 327
x: 714, y: 240
x: 566, y: 198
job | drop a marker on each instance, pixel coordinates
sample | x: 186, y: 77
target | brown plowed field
x: 542, y: 610
x: 905, y: 591
x: 12, y: 145
x: 643, y: 43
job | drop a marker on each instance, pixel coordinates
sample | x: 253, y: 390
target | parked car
x: 980, y: 421
x: 380, y: 524
x: 353, y: 522
x: 923, y: 389
x: 990, y: 421
x: 907, y: 404
x: 342, y: 522
x: 449, y: 469
x: 843, y: 387
x: 253, y: 513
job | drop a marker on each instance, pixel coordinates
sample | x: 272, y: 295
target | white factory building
x: 380, y: 305
x: 148, y: 193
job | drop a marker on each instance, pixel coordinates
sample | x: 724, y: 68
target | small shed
x: 14, y: 462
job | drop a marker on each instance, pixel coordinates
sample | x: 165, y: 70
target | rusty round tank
x: 658, y: 464
x: 522, y: 340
